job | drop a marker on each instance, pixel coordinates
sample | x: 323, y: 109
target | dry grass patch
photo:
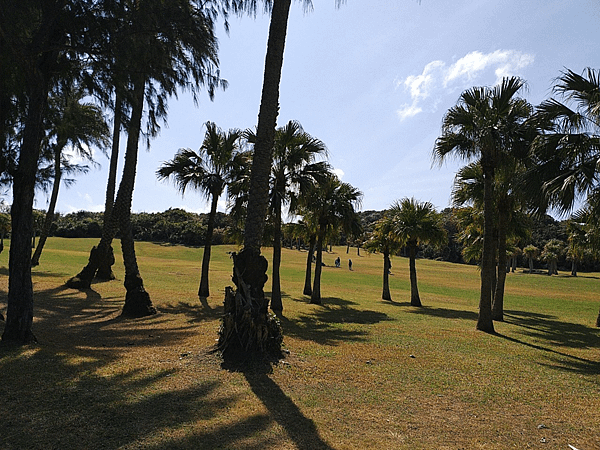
x: 361, y: 372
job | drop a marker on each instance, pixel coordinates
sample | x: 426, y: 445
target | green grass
x: 361, y: 372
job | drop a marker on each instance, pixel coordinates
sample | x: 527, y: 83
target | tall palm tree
x: 80, y: 125
x: 330, y: 204
x: 208, y: 171
x: 294, y: 171
x: 384, y: 240
x: 569, y: 153
x: 415, y: 223
x: 478, y: 128
x: 182, y: 54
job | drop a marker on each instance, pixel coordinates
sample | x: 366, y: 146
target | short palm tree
x: 207, y: 171
x: 415, y: 223
x: 330, y: 205
x: 531, y: 252
x: 552, y: 251
x: 479, y: 128
x: 384, y: 240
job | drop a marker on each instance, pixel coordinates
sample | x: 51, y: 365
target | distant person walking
x: 350, y: 264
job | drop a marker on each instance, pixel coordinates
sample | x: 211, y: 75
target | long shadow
x: 331, y: 323
x: 77, y: 390
x: 282, y: 409
x: 445, y: 313
x: 199, y: 312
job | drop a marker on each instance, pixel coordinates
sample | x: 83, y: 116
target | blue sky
x: 372, y: 82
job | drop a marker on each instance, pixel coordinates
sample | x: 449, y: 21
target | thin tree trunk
x: 104, y: 271
x: 315, y: 297
x: 598, y: 320
x: 484, y: 320
x: 386, y: 295
x: 203, y: 289
x: 498, y: 303
x: 265, y: 130
x: 574, y: 268
x: 19, y: 313
x: 137, y: 300
x: 415, y: 299
x: 530, y: 264
x: 35, y: 259
x: 307, y: 277
x: 276, y: 303
x: 246, y: 324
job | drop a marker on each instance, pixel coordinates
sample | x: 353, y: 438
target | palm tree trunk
x: 315, y: 297
x: 386, y: 295
x: 307, y: 278
x: 203, y: 290
x: 137, y: 300
x: 574, y: 268
x: 598, y: 320
x: 265, y: 131
x: 35, y: 259
x: 19, y: 313
x: 276, y: 303
x: 249, y: 262
x: 415, y: 300
x: 484, y: 320
x: 498, y: 303
x: 530, y: 264
x: 104, y: 271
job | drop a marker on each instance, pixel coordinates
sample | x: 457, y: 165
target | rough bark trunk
x: 35, y: 259
x: 203, y: 289
x: 265, y: 131
x: 315, y: 297
x: 484, y: 320
x: 105, y: 271
x: 307, y: 277
x: 276, y: 303
x: 415, y: 299
x: 386, y: 295
x: 498, y: 303
x: 137, y: 300
x: 19, y: 313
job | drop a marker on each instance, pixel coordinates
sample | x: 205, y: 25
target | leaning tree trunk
x: 307, y: 277
x: 249, y: 328
x: 315, y: 297
x: 35, y: 259
x: 498, y: 303
x: 386, y: 295
x: 276, y: 303
x: 19, y: 313
x: 203, y: 290
x: 484, y: 320
x: 415, y: 299
x: 105, y: 271
x: 137, y: 300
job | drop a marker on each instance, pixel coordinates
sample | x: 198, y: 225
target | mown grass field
x: 360, y: 373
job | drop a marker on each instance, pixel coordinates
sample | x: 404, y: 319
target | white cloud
x: 438, y: 79
x: 339, y: 173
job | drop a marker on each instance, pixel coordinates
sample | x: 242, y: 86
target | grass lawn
x: 361, y: 372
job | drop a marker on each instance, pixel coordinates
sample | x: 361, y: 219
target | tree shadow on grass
x: 83, y: 385
x: 557, y: 334
x: 197, y: 312
x: 282, y: 409
x: 446, y: 313
x: 332, y: 322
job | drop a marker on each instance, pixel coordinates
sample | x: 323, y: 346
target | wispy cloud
x: 439, y: 78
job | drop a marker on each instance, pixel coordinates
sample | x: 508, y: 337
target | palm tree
x: 294, y: 170
x: 479, y: 127
x: 552, y: 251
x: 384, y: 240
x: 531, y: 252
x: 569, y: 153
x: 258, y: 197
x: 415, y: 223
x: 81, y: 125
x: 208, y: 171
x: 330, y: 205
x: 182, y: 54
